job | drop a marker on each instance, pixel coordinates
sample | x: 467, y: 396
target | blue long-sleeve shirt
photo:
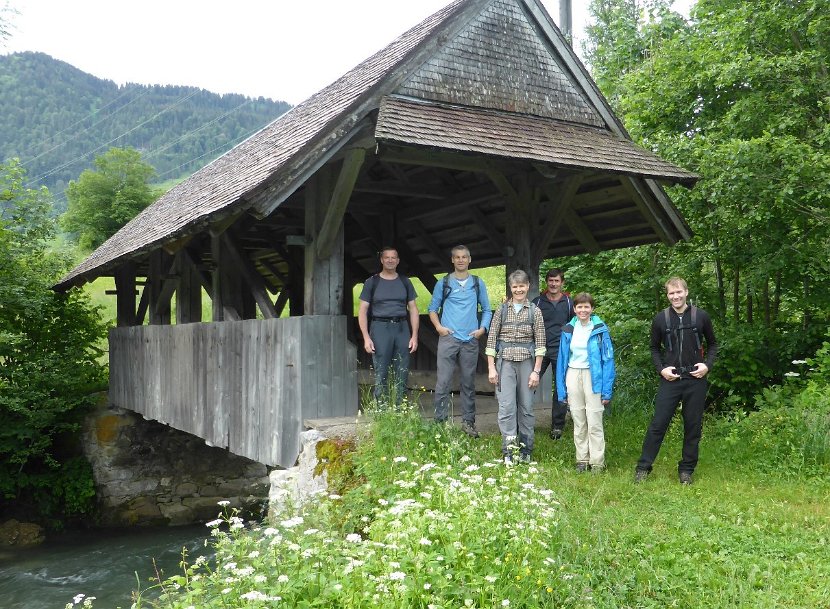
x: 459, y: 312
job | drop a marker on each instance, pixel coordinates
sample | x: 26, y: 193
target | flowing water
x: 95, y: 563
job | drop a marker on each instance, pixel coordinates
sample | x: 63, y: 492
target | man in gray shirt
x: 388, y: 320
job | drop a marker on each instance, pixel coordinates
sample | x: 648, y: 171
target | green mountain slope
x: 56, y: 119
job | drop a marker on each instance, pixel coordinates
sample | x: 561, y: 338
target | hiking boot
x: 524, y: 459
x: 685, y: 478
x: 555, y: 434
x: 470, y: 429
x: 597, y: 469
x: 640, y: 475
x: 508, y: 460
x: 581, y: 467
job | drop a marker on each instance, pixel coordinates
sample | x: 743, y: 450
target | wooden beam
x: 426, y: 239
x: 581, y: 232
x: 220, y: 226
x: 369, y: 229
x: 432, y: 158
x: 480, y: 220
x: 143, y: 305
x: 396, y: 189
x: 340, y: 196
x: 504, y: 186
x: 189, y: 260
x: 630, y: 187
x: 282, y: 300
x: 272, y: 268
x: 159, y: 306
x: 252, y: 277
x: 411, y: 261
x: 172, y: 247
x: 562, y: 202
x: 170, y: 282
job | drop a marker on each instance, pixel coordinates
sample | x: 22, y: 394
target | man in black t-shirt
x: 387, y: 312
x: 677, y: 337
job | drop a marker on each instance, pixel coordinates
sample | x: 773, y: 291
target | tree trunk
x: 719, y: 277
x: 736, y: 294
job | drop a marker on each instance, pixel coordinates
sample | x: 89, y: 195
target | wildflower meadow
x: 426, y: 517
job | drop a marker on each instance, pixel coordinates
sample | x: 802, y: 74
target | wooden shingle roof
x: 513, y: 136
x: 486, y: 77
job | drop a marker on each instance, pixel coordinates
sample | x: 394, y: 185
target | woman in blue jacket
x: 585, y: 378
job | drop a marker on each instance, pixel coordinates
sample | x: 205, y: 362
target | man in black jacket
x: 557, y: 310
x: 677, y: 337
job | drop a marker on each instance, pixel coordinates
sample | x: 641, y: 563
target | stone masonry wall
x: 147, y: 473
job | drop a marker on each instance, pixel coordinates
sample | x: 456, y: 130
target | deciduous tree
x: 103, y: 200
x: 48, y: 363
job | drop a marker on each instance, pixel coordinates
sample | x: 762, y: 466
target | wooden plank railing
x: 246, y: 385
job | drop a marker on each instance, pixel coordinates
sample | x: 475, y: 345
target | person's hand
x: 443, y: 331
x: 477, y: 333
x: 533, y: 380
x: 368, y: 345
x: 606, y: 402
x: 700, y: 370
x: 493, y: 376
x: 413, y: 344
x: 668, y: 374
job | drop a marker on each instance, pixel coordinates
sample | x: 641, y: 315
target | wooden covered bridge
x: 477, y: 126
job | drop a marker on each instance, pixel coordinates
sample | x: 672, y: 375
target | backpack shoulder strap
x: 375, y: 279
x: 667, y: 331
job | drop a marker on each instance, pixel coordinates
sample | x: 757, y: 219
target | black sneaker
x: 470, y: 429
x: 640, y: 475
x: 685, y: 478
x: 524, y: 459
x: 581, y: 467
x: 555, y: 434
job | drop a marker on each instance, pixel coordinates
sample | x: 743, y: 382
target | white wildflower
x: 223, y: 503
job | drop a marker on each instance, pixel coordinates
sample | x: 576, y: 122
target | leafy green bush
x: 48, y: 368
x: 788, y: 432
x: 753, y: 357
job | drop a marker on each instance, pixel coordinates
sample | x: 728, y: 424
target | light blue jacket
x: 600, y: 359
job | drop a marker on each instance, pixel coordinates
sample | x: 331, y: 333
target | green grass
x: 430, y: 518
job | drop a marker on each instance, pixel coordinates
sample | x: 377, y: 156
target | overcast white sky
x: 282, y: 49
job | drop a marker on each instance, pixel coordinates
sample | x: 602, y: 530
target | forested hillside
x: 56, y: 119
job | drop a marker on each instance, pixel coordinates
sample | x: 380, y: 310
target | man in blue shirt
x: 454, y: 311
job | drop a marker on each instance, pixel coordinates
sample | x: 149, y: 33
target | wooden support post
x: 159, y: 305
x: 520, y: 234
x: 323, y: 281
x: 225, y: 307
x: 125, y: 294
x: 188, y: 292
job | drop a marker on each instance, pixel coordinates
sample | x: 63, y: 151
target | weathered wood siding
x: 246, y: 386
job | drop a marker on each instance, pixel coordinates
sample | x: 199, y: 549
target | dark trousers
x: 559, y: 409
x: 690, y: 391
x: 391, y: 339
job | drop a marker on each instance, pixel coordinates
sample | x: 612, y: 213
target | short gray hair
x: 518, y: 277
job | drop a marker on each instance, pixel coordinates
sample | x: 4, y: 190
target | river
x: 95, y: 563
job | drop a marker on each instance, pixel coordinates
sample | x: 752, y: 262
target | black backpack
x: 692, y: 326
